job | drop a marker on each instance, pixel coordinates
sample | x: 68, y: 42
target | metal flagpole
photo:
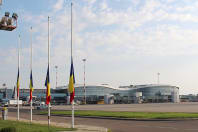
x: 72, y: 60
x: 31, y: 80
x: 48, y: 69
x: 18, y: 78
x: 84, y: 60
x: 56, y: 75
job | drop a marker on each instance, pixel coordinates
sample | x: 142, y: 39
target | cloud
x: 58, y: 5
x: 106, y: 35
x: 90, y: 2
x: 103, y: 5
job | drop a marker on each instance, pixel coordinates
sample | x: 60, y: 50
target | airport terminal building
x: 100, y: 94
x: 126, y: 94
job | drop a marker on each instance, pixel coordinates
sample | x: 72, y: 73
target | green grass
x: 138, y: 115
x: 27, y: 127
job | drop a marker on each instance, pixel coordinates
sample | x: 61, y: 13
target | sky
x: 125, y: 42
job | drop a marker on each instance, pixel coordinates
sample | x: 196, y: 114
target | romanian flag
x: 47, y: 85
x: 71, y: 82
x: 31, y: 86
x: 18, y: 84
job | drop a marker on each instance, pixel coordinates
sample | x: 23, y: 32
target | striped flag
x: 71, y: 82
x: 47, y: 85
x: 18, y: 84
x: 31, y: 86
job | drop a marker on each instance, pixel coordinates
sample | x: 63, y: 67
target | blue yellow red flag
x: 47, y: 85
x: 31, y: 86
x: 71, y: 82
x: 18, y: 84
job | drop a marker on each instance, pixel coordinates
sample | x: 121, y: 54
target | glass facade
x: 102, y: 93
x: 128, y: 94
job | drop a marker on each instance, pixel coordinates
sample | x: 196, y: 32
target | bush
x: 8, y: 129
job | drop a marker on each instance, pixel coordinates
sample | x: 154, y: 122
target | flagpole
x: 31, y: 78
x: 18, y: 78
x: 49, y: 68
x: 72, y: 60
x: 71, y: 29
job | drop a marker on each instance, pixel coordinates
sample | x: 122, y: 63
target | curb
x: 132, y: 119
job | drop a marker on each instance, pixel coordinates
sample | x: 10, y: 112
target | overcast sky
x: 124, y: 41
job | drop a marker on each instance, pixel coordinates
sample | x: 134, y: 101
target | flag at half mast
x: 31, y: 86
x: 18, y: 84
x: 47, y: 85
x: 71, y: 82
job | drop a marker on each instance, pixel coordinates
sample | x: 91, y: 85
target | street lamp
x: 84, y: 60
x: 158, y: 74
x: 56, y: 67
x: 5, y: 93
x: 8, y: 23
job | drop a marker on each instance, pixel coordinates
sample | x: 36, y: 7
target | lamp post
x: 8, y: 23
x: 4, y: 85
x: 56, y: 67
x: 158, y: 74
x: 84, y: 60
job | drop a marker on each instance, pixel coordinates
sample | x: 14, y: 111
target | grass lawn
x: 27, y: 127
x: 139, y: 115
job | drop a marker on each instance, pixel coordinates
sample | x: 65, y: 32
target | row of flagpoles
x: 47, y: 81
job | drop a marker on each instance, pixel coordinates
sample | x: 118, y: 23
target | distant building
x: 99, y: 94
x: 189, y: 98
x: 127, y: 94
x: 58, y: 97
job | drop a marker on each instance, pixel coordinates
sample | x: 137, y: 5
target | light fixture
x: 7, y: 14
x: 14, y: 16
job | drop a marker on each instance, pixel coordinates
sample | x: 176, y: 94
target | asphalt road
x: 126, y: 125
x: 191, y: 107
x: 150, y: 107
x: 121, y: 125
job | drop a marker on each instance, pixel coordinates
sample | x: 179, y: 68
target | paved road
x: 143, y: 126
x: 151, y: 107
x: 128, y: 125
x: 122, y: 125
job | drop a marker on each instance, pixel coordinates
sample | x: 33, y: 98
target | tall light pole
x: 56, y: 67
x: 158, y: 74
x: 4, y: 85
x: 84, y: 60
